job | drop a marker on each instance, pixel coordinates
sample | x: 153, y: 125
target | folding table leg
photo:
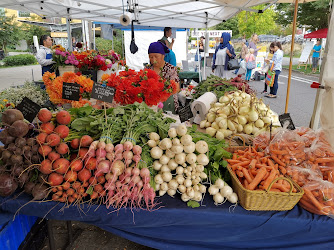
x: 70, y: 231
x: 51, y: 236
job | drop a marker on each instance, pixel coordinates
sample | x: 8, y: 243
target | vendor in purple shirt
x: 252, y: 44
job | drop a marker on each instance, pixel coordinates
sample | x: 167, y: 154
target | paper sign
x: 29, y: 109
x: 185, y: 113
x: 71, y: 91
x: 286, y: 118
x: 103, y: 93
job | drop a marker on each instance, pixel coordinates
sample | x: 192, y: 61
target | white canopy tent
x: 172, y: 13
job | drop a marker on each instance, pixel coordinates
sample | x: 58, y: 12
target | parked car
x: 268, y: 38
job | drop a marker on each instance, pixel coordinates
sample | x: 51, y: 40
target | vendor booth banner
x: 211, y: 33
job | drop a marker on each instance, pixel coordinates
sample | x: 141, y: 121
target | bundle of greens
x: 209, y: 85
x: 117, y: 125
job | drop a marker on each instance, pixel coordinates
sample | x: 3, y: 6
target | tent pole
x: 69, y: 32
x: 94, y: 36
x: 198, y: 59
x: 206, y: 42
x: 83, y: 35
x: 291, y: 55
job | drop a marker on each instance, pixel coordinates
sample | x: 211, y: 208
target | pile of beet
x: 239, y: 83
x: 17, y: 155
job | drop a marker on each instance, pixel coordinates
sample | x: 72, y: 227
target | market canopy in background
x: 173, y: 13
x: 317, y: 34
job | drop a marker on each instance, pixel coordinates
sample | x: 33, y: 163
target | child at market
x: 277, y: 60
x: 250, y: 63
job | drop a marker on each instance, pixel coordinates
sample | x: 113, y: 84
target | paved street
x: 301, y: 100
x: 18, y: 75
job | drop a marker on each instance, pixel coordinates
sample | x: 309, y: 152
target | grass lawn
x: 302, y: 69
x: 6, y: 66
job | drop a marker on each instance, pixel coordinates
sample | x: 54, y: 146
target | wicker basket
x: 266, y: 200
x: 233, y: 147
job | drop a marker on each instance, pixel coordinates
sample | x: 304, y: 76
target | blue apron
x: 48, y: 67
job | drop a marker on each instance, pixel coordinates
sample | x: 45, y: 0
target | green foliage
x: 25, y: 59
x: 314, y: 14
x: 259, y: 23
x: 10, y: 32
x: 230, y: 24
x: 105, y: 45
x: 31, y: 30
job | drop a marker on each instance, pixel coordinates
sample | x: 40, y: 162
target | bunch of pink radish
x: 126, y: 184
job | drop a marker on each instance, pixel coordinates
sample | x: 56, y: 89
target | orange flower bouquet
x: 54, y: 87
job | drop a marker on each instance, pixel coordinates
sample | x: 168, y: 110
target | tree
x: 31, y: 30
x: 230, y: 24
x: 9, y: 32
x: 312, y: 14
x: 259, y: 23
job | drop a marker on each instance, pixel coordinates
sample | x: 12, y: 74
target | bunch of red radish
x: 98, y: 171
x: 125, y: 184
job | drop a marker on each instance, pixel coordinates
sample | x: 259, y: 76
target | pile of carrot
x: 256, y: 171
x: 305, y: 156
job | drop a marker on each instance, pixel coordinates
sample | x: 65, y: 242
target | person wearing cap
x: 223, y: 54
x: 156, y: 54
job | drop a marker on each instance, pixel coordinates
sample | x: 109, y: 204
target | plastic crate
x: 13, y: 233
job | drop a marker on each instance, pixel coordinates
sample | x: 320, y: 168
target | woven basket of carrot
x: 259, y: 184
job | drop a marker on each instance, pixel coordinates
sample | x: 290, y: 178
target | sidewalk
x: 19, y: 75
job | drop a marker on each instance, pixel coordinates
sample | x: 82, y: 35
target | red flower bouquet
x: 143, y: 86
x: 93, y: 60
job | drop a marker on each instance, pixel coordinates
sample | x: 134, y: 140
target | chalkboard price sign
x: 71, y: 91
x: 286, y: 118
x: 29, y: 109
x: 185, y: 113
x: 103, y: 93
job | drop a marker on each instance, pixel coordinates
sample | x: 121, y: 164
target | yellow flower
x: 5, y: 100
x: 12, y: 105
x: 1, y: 106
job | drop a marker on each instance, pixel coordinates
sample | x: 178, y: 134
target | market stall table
x: 189, y: 75
x: 177, y: 226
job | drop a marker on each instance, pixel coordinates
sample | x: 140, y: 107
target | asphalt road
x: 302, y: 96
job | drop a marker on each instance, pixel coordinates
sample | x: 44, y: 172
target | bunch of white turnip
x: 221, y: 192
x: 238, y: 112
x: 180, y: 163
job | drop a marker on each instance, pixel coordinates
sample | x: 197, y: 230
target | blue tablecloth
x: 175, y: 226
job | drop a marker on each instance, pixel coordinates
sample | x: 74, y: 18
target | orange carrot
x: 258, y: 178
x: 239, y: 173
x: 241, y: 164
x: 314, y: 201
x: 233, y: 161
x: 245, y: 183
x: 270, y: 178
x: 275, y: 158
x: 246, y: 175
x: 252, y: 163
x: 324, y: 160
x: 282, y: 169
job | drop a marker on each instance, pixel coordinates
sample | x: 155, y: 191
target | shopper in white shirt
x: 277, y: 61
x: 44, y: 54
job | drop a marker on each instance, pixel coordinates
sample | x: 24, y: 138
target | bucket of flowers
x: 54, y: 88
x: 65, y: 61
x: 95, y: 64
